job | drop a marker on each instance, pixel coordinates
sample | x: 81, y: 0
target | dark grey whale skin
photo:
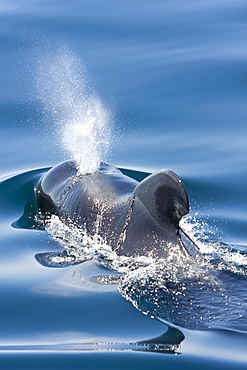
x: 133, y: 218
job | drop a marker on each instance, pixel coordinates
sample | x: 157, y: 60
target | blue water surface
x: 172, y: 74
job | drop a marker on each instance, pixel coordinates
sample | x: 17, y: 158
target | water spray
x: 81, y: 121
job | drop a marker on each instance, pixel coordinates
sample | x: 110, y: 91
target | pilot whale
x: 134, y: 218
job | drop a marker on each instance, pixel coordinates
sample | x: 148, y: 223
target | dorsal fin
x: 165, y: 197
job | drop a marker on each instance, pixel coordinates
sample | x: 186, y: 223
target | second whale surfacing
x: 134, y: 218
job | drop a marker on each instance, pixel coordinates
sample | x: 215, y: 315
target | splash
x: 198, y: 292
x: 80, y: 247
x: 81, y: 121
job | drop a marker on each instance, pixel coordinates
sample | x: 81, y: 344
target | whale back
x: 133, y: 218
x: 98, y: 202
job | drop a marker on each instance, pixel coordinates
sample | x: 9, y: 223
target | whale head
x: 159, y: 203
x: 164, y: 196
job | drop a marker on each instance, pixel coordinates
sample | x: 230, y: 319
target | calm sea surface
x: 169, y: 78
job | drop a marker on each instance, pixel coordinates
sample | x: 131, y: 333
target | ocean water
x: 143, y: 85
